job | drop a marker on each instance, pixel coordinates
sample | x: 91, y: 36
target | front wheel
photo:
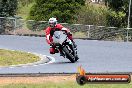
x: 76, y: 58
x: 69, y: 55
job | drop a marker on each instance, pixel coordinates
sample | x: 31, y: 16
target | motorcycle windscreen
x: 59, y: 37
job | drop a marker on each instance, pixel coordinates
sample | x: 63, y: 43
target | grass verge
x: 67, y: 85
x: 8, y: 57
x: 52, y: 82
x: 79, y: 35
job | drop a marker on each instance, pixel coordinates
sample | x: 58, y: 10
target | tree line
x: 119, y: 12
x: 72, y: 11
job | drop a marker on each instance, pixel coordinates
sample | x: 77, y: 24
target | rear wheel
x: 69, y: 55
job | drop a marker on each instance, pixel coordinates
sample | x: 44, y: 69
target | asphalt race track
x: 95, y: 56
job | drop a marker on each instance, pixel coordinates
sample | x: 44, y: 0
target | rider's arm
x: 65, y: 29
x: 67, y: 32
x: 47, y: 32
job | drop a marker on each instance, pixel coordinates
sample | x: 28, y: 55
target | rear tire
x: 69, y: 55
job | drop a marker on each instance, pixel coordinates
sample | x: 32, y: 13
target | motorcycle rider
x: 49, y: 34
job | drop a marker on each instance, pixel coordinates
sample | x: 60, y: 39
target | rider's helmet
x: 52, y: 22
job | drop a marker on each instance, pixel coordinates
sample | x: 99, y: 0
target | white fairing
x: 64, y: 29
x: 59, y: 37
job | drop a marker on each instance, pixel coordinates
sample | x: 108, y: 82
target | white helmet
x: 52, y: 22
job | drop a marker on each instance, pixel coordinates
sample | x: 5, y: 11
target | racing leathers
x: 49, y: 34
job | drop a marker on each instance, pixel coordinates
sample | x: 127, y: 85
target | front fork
x: 70, y: 44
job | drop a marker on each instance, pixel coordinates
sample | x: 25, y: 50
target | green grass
x: 79, y: 35
x: 66, y: 85
x: 8, y: 57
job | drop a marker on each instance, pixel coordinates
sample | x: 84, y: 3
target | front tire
x: 69, y: 55
x: 76, y: 58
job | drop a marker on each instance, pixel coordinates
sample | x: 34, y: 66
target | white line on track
x: 52, y: 60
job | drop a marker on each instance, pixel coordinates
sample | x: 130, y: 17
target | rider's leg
x: 52, y: 50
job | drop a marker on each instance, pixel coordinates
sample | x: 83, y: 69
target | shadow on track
x: 66, y: 62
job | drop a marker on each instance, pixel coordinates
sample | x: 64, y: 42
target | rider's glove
x: 69, y: 34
